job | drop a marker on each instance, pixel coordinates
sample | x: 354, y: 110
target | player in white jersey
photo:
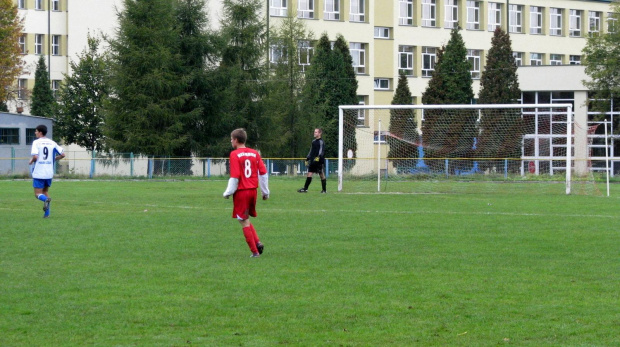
x: 44, y: 153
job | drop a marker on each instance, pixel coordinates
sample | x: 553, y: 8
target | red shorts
x: 244, y: 204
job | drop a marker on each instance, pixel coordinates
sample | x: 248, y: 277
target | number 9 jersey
x: 46, y: 151
x: 245, y: 165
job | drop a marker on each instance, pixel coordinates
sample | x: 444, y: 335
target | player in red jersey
x: 247, y: 172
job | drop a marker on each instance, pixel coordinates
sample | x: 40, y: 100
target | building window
x: 38, y: 4
x: 21, y: 4
x: 473, y: 57
x: 277, y: 54
x: 451, y: 19
x: 380, y: 139
x: 55, y: 5
x: 38, y: 44
x: 536, y: 20
x: 382, y: 33
x: 55, y: 44
x: 30, y: 136
x: 361, y: 113
x: 358, y: 53
x: 22, y: 43
x: 21, y: 88
x: 536, y: 58
x: 55, y: 87
x: 9, y: 136
x: 574, y: 60
x: 595, y: 22
x: 305, y: 53
x: 305, y: 9
x: 495, y: 16
x: 382, y: 83
x: 405, y: 15
x: 575, y: 23
x: 278, y: 8
x: 555, y: 59
x: 357, y: 11
x: 555, y: 22
x: 332, y: 10
x: 473, y: 15
x: 429, y: 56
x: 612, y: 22
x: 518, y: 58
x: 516, y: 18
x: 405, y: 60
x: 429, y: 13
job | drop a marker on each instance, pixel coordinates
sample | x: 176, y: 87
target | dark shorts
x: 40, y: 183
x: 316, y: 166
x: 244, y: 202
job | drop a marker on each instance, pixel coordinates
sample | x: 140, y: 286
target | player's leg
x: 323, y: 181
x: 242, y: 210
x: 259, y: 245
x: 308, y: 179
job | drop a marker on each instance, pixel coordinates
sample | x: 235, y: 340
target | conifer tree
x: 449, y: 134
x: 288, y: 123
x: 242, y: 70
x: 403, y: 137
x: 42, y: 102
x: 145, y: 113
x: 501, y: 130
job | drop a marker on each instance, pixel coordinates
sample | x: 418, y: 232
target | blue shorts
x: 40, y: 183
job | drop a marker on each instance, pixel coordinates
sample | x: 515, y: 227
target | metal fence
x: 14, y: 162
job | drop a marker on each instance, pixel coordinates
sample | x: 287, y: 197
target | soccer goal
x: 458, y: 148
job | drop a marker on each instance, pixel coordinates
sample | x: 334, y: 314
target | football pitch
x: 162, y: 263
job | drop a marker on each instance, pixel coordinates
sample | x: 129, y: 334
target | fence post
x: 326, y: 168
x: 92, y: 164
x: 209, y: 168
x: 12, y: 160
x: 131, y: 164
x: 150, y: 168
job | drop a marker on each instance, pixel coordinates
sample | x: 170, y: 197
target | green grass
x: 162, y: 263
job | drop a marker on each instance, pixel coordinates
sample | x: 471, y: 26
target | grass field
x: 162, y: 263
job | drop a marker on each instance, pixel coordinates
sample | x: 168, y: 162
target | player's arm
x: 233, y: 181
x: 33, y: 159
x: 263, y: 179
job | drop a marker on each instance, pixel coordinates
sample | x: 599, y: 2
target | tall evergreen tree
x: 242, y: 70
x: 80, y: 115
x: 11, y: 63
x: 42, y: 102
x: 450, y: 133
x: 197, y: 53
x: 289, y: 124
x: 403, y: 138
x: 146, y: 113
x: 501, y: 130
x: 331, y: 82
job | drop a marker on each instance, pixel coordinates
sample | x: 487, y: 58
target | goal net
x: 459, y: 148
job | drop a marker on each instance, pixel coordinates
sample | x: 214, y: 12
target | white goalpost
x: 459, y: 148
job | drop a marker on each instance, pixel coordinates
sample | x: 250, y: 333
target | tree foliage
x: 403, y: 137
x: 331, y: 82
x: 602, y: 64
x: 146, y: 113
x: 288, y: 123
x: 242, y: 71
x: 80, y: 116
x: 446, y: 133
x: 11, y: 64
x: 42, y: 102
x: 501, y: 130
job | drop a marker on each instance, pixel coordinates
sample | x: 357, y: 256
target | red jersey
x: 245, y: 165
